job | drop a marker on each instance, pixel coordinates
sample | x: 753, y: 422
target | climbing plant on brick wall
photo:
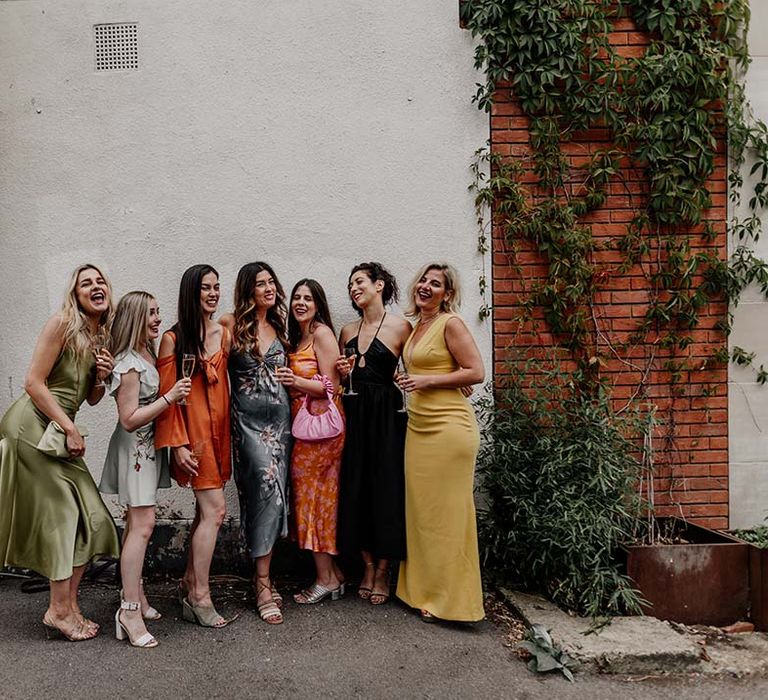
x: 626, y: 101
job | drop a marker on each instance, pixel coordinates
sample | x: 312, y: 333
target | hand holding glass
x: 99, y: 343
x: 402, y: 373
x: 351, y: 354
x: 187, y: 368
x: 198, y: 449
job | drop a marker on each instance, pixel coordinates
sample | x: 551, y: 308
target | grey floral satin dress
x: 261, y: 441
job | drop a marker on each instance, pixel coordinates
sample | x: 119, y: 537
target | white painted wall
x: 748, y: 402
x: 308, y: 133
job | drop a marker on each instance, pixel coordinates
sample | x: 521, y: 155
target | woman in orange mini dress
x: 315, y: 465
x: 198, y: 432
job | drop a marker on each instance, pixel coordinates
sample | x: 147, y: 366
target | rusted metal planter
x: 703, y: 581
x: 758, y: 587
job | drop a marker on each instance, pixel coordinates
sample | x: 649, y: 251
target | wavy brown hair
x: 245, y: 335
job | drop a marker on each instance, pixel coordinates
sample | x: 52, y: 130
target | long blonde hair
x: 452, y: 285
x: 77, y: 334
x: 129, y: 327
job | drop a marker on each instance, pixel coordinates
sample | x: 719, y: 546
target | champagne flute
x: 402, y: 373
x: 99, y: 344
x: 187, y: 368
x: 351, y: 355
x: 198, y: 449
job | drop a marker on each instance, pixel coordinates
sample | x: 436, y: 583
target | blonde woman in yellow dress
x: 441, y: 577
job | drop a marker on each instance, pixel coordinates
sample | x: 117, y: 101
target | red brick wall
x: 691, y: 450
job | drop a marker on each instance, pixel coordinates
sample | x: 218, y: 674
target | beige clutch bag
x: 54, y: 440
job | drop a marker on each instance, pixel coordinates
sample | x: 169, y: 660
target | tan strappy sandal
x: 364, y: 592
x: 380, y: 597
x: 268, y: 610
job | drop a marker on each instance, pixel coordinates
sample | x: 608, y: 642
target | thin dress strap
x: 375, y: 335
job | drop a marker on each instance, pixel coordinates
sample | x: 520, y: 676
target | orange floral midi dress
x: 315, y: 470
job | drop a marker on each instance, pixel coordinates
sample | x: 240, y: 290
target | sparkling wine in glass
x: 187, y: 368
x: 198, y: 450
x: 99, y: 344
x: 351, y: 355
x: 402, y: 373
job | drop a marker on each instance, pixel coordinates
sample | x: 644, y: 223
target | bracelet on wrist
x: 166, y: 399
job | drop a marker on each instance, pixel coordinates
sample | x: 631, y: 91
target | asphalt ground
x: 341, y: 649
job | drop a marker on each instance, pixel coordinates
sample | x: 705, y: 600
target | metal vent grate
x: 117, y: 46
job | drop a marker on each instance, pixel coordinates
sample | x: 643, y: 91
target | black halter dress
x: 372, y: 485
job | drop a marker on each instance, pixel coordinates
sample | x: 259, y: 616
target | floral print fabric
x: 133, y: 470
x: 315, y: 470
x: 261, y: 439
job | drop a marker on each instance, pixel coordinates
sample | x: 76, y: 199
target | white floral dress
x: 133, y: 469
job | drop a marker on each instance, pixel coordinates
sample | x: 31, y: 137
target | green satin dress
x: 52, y: 517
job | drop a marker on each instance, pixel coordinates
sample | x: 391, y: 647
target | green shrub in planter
x: 757, y: 536
x: 559, y: 475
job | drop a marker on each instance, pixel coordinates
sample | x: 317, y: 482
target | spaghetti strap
x: 375, y: 335
x: 371, y: 499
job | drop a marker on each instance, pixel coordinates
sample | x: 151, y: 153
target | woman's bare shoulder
x: 322, y: 333
x: 398, y: 323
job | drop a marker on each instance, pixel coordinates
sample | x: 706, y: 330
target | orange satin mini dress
x: 203, y: 423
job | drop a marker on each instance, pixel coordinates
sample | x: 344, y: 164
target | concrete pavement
x: 336, y: 650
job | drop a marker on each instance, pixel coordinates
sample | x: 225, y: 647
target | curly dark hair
x: 375, y: 272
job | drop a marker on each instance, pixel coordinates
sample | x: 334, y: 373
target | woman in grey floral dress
x: 261, y: 422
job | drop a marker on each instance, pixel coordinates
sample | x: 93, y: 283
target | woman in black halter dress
x: 372, y: 486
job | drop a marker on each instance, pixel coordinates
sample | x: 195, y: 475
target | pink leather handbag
x: 312, y: 427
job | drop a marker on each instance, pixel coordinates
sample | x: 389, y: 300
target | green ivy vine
x: 665, y: 112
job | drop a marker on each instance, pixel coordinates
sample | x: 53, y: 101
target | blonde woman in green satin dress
x: 52, y: 519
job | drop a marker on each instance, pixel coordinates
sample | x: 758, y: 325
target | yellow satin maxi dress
x: 442, y: 571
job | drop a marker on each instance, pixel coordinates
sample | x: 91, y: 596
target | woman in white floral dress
x: 133, y: 470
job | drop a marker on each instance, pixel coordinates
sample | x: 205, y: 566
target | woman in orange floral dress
x: 314, y: 465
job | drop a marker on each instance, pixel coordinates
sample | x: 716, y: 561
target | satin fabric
x: 51, y: 515
x: 372, y: 501
x: 261, y: 438
x: 442, y: 573
x: 314, y: 472
x: 203, y: 423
